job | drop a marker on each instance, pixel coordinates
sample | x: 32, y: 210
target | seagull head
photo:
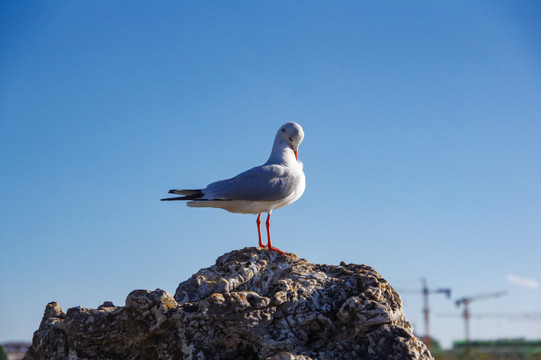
x: 292, y: 134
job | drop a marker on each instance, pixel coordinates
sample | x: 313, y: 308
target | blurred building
x: 514, y: 349
x: 16, y: 350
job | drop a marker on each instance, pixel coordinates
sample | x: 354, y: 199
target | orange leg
x: 258, y: 222
x: 269, y: 245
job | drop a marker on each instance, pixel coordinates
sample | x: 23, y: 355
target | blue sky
x: 422, y: 143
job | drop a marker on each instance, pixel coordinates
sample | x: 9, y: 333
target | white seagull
x: 277, y: 183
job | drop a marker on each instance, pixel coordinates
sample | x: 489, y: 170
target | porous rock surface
x: 252, y: 304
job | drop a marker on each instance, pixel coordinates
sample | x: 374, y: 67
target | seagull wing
x: 262, y: 183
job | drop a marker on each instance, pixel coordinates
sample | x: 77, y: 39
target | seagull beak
x: 294, y: 151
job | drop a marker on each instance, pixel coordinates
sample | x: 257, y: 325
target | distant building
x: 512, y: 349
x: 16, y: 350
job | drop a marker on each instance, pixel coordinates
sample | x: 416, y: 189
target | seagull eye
x: 283, y: 130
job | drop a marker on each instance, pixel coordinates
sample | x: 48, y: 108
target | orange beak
x: 295, y: 152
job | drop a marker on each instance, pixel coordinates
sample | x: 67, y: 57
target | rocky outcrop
x: 252, y: 304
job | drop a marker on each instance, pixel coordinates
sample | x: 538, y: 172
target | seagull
x: 275, y: 184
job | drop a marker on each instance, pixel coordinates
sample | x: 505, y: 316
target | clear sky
x: 422, y: 146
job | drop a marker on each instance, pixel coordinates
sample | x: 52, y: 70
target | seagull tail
x: 188, y: 195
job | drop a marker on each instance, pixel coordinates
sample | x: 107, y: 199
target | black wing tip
x: 186, y: 192
x: 175, y: 198
x: 187, y: 197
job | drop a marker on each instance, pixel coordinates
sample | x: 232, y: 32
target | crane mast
x: 426, y: 310
x: 466, y: 312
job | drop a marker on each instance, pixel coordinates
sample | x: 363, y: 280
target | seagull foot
x: 276, y: 249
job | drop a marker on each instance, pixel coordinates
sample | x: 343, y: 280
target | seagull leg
x: 258, y: 221
x: 269, y: 245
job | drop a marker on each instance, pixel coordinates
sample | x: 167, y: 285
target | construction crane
x: 466, y: 313
x: 426, y: 310
x: 509, y: 316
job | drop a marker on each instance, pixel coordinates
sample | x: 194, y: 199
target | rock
x: 106, y: 304
x: 252, y: 304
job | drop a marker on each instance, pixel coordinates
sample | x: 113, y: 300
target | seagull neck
x: 281, y: 153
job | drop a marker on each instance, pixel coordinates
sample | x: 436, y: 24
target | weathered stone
x: 252, y: 304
